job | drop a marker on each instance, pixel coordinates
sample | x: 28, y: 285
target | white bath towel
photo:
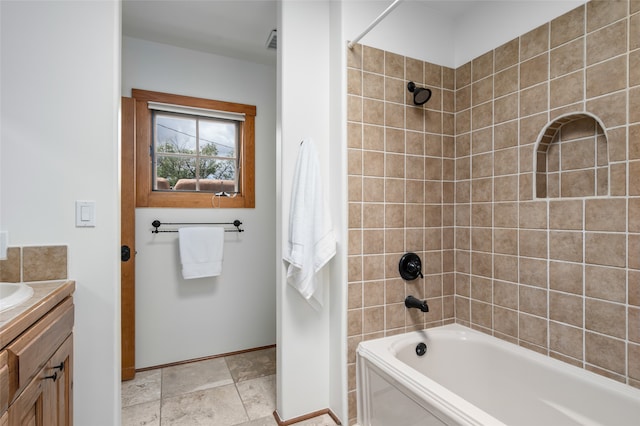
x: 311, y: 240
x: 201, y: 251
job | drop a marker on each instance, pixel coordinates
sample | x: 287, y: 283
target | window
x: 193, y: 152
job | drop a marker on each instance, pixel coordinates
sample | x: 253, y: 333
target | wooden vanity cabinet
x: 4, y: 383
x: 4, y: 389
x: 46, y: 401
x: 61, y: 396
x: 28, y: 408
x: 40, y: 371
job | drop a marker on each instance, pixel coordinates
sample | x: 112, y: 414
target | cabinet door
x: 61, y: 403
x: 29, y: 408
x: 28, y: 353
x: 4, y: 382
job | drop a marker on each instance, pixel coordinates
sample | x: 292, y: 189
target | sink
x: 13, y: 294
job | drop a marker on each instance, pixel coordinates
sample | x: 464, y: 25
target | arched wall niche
x: 572, y: 158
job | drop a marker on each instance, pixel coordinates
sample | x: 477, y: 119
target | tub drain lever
x: 412, y: 302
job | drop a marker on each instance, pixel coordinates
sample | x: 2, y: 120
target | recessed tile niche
x: 572, y: 159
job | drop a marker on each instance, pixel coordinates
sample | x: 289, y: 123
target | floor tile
x: 145, y: 414
x: 144, y: 387
x: 196, y: 376
x: 220, y: 406
x: 263, y: 421
x: 250, y: 365
x: 238, y: 390
x: 258, y: 396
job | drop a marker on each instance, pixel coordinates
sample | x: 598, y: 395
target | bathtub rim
x: 381, y: 352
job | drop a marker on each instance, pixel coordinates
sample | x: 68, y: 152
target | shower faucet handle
x: 410, y: 267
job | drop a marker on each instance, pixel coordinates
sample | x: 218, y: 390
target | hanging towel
x: 311, y: 240
x: 201, y: 251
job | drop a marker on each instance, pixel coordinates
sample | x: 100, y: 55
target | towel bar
x: 156, y: 224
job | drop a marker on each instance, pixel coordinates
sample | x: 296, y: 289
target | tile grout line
x: 238, y: 393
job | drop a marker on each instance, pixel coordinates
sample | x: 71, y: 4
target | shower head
x: 420, y: 94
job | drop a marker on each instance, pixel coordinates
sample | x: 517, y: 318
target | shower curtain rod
x: 374, y: 23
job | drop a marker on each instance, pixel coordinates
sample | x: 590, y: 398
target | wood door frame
x: 127, y: 238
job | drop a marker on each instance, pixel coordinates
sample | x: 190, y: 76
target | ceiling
x: 235, y: 28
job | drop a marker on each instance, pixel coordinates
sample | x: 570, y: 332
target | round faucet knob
x: 410, y: 266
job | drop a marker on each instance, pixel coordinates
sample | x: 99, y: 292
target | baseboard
x: 204, y: 358
x: 305, y: 417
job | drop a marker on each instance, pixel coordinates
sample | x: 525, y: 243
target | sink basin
x: 13, y: 294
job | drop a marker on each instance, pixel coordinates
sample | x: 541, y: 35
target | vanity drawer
x: 28, y: 353
x: 4, y: 382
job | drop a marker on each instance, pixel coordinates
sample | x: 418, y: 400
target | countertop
x: 46, y: 295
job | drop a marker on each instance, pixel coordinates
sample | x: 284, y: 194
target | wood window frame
x: 147, y: 197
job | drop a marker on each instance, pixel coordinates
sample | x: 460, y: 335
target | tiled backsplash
x: 34, y: 263
x: 455, y: 181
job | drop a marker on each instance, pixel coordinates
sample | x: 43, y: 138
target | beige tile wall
x: 401, y: 195
x: 35, y: 263
x: 11, y: 267
x: 558, y: 275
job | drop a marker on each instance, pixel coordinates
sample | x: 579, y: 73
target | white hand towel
x: 311, y: 240
x: 201, y: 251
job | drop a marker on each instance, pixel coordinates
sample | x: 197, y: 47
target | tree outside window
x: 195, y: 149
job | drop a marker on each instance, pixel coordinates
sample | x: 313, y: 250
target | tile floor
x: 235, y: 390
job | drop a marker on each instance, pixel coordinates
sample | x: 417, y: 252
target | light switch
x: 85, y: 214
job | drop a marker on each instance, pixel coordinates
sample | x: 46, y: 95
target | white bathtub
x: 469, y: 378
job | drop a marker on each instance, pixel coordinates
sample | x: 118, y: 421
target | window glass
x: 193, y: 153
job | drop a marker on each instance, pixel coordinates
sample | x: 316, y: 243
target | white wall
x: 411, y: 29
x: 491, y: 24
x: 416, y: 30
x: 304, y: 343
x: 179, y: 319
x: 59, y: 143
x: 338, y: 197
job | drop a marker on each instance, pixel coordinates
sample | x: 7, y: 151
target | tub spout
x: 412, y: 302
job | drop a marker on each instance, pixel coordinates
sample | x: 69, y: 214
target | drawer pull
x: 52, y: 377
x: 59, y: 367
